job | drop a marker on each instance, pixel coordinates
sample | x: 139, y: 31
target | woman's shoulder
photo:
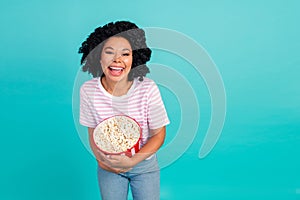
x: 92, y: 83
x: 145, y: 85
x: 147, y: 82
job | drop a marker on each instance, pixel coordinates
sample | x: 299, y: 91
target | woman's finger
x: 100, y: 153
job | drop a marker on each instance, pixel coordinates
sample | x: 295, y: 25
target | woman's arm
x: 153, y: 144
x: 99, y: 157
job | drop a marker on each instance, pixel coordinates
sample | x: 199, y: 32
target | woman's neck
x: 116, y: 88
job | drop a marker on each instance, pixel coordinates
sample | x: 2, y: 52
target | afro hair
x: 91, y: 48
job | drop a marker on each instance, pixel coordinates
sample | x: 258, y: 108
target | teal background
x: 255, y: 45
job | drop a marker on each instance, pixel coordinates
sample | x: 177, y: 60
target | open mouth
x: 115, y: 68
x: 115, y: 71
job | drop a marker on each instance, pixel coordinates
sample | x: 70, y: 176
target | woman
x: 116, y: 54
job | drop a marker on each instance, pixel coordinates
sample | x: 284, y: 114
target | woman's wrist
x: 139, y: 157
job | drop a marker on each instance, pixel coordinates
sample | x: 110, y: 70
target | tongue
x: 115, y: 72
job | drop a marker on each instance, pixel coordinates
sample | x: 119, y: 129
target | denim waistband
x: 145, y: 166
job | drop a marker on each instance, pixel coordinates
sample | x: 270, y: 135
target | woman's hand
x: 117, y: 162
x: 113, y: 170
x: 120, y: 163
x: 125, y: 163
x: 102, y: 159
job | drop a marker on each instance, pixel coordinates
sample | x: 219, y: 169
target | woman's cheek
x: 128, y: 62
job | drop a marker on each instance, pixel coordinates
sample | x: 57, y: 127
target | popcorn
x: 117, y: 134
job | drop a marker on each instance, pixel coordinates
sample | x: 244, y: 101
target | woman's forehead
x: 117, y: 43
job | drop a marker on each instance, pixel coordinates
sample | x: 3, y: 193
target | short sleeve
x: 87, y: 118
x: 157, y: 115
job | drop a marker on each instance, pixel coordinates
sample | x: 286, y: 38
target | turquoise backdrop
x: 255, y: 45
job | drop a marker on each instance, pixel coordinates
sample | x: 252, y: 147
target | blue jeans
x: 143, y: 179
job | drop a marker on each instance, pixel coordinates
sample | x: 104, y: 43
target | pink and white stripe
x: 142, y: 102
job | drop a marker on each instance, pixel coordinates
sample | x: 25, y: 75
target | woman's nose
x: 117, y: 57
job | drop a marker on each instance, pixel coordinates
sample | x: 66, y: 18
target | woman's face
x: 116, y: 59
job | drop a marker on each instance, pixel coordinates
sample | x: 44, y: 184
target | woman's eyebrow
x: 109, y: 48
x: 126, y: 49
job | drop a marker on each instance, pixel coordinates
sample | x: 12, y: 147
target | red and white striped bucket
x: 130, y: 151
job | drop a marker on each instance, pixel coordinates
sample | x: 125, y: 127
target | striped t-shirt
x: 142, y: 102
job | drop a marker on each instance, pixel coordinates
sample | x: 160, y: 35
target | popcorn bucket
x: 118, y: 135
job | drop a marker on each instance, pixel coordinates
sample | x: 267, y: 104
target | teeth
x: 116, y: 68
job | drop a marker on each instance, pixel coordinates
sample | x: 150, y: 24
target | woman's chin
x: 112, y: 78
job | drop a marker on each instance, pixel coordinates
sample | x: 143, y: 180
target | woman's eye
x: 126, y: 54
x: 109, y: 52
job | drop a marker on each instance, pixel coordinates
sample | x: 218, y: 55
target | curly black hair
x: 92, y: 47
